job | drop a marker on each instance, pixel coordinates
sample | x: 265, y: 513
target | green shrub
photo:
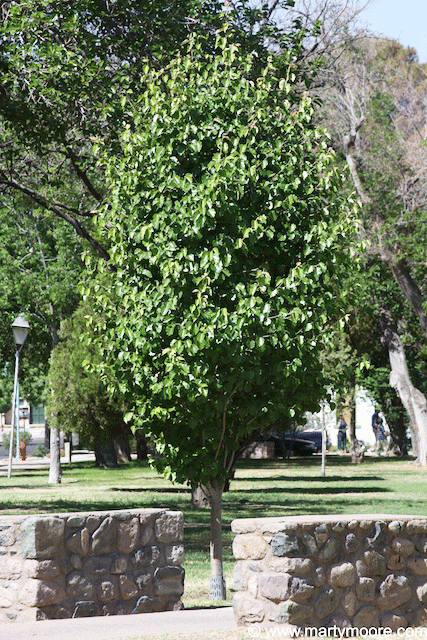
x: 24, y: 436
x: 40, y: 451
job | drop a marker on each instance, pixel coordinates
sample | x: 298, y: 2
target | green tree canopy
x: 228, y: 234
x: 79, y: 401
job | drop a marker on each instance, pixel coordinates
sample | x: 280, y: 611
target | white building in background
x: 364, y: 410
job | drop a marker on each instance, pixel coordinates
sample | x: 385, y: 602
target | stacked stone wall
x: 88, y: 564
x: 331, y: 571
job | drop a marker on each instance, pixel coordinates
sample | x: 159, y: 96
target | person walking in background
x: 342, y: 434
x: 381, y: 437
x: 375, y: 418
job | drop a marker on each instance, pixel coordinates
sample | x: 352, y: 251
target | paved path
x: 122, y: 627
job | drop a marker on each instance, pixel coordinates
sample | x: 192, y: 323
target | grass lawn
x: 260, y: 488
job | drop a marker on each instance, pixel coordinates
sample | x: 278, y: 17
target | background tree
x: 372, y: 104
x: 80, y: 402
x: 226, y: 232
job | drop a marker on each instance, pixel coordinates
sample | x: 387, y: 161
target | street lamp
x: 20, y: 328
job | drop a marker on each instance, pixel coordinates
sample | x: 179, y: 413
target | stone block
x: 298, y: 566
x: 416, y: 526
x: 342, y: 575
x: 169, y: 527
x: 144, y: 580
x: 146, y: 557
x: 393, y: 621
x: 351, y: 543
x: 372, y: 563
x: 10, y: 567
x: 294, y: 613
x: 366, y: 617
x: 365, y: 590
x: 74, y: 543
x: 403, y: 546
x: 97, y: 565
x: 41, y: 593
x: 420, y: 543
x: 394, y: 591
x: 86, y: 609
x: 338, y: 621
x: 329, y: 551
x: 7, y: 597
x: 378, y: 538
x: 42, y: 537
x: 128, y: 588
x: 247, y: 610
x: 301, y: 590
x: 326, y: 603
x: 147, y: 534
x: 92, y: 522
x: 240, y: 578
x: 349, y: 603
x: 128, y: 535
x: 7, y: 536
x: 75, y: 561
x: 319, y: 576
x: 321, y: 533
x: 119, y: 564
x: 174, y: 553
x: 310, y: 543
x: 418, y: 566
x: 169, y: 581
x: 396, y: 527
x: 104, y: 538
x: 396, y: 562
x: 75, y: 522
x: 275, y: 587
x: 247, y: 525
x: 42, y: 569
x: 422, y: 593
x: 79, y: 586
x: 108, y: 590
x: 249, y: 546
x: 144, y: 605
x: 284, y: 544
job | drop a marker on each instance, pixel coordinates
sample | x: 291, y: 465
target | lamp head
x: 20, y: 328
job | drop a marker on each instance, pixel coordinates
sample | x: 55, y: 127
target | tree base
x: 218, y: 591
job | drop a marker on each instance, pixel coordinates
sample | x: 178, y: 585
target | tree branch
x: 61, y: 211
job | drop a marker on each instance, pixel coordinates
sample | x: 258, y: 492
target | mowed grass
x: 260, y: 488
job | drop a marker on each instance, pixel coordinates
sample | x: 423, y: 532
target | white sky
x: 403, y: 20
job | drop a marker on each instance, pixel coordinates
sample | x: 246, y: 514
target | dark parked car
x: 315, y: 437
x: 298, y: 443
x: 289, y: 444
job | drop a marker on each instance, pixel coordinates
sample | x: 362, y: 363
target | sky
x: 403, y: 20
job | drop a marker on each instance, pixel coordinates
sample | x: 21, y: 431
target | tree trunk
x: 105, y: 455
x: 412, y: 399
x: 217, y: 590
x: 122, y: 447
x: 47, y: 436
x: 200, y: 496
x: 55, y: 457
x: 409, y: 288
x: 141, y: 446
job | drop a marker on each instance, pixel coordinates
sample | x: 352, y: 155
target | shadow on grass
x: 304, y: 479
x: 320, y: 490
x: 182, y: 490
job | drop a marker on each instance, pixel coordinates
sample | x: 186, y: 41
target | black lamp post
x: 20, y: 328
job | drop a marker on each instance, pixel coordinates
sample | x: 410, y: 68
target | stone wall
x: 87, y: 564
x: 322, y: 571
